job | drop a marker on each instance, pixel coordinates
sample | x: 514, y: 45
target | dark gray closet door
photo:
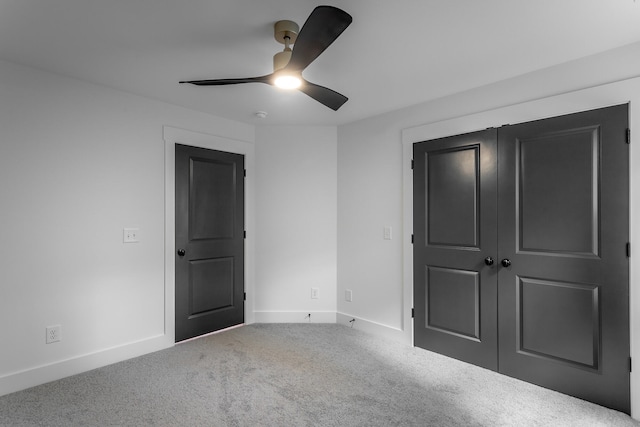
x: 564, y: 226
x: 454, y: 233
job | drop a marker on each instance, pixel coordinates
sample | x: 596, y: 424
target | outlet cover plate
x: 130, y: 235
x: 53, y: 334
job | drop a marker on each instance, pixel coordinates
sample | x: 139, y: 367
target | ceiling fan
x: 322, y: 28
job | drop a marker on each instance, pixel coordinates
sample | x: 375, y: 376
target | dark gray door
x: 564, y: 226
x: 455, y: 289
x: 561, y: 256
x: 209, y: 241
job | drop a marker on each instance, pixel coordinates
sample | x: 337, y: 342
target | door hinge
x: 245, y: 296
x: 628, y: 250
x: 244, y: 234
x: 245, y: 173
x: 412, y: 163
x: 630, y: 364
x: 413, y: 313
x: 412, y: 239
x: 628, y: 135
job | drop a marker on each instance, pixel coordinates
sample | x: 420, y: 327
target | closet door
x: 455, y: 241
x: 564, y: 271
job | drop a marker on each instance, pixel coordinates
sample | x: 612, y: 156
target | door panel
x: 559, y: 321
x: 452, y: 193
x: 564, y: 225
x: 558, y: 203
x: 210, y: 230
x: 212, y: 200
x: 446, y: 288
x: 204, y: 298
x: 455, y: 291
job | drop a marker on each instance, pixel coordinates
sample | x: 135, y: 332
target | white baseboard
x: 374, y: 328
x: 368, y: 326
x: 32, y: 377
x: 294, y: 317
x: 54, y: 371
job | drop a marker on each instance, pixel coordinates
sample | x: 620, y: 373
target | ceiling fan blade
x: 221, y: 82
x: 323, y: 95
x: 322, y: 27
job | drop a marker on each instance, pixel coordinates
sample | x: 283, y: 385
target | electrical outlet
x: 130, y: 235
x: 53, y: 334
x: 348, y: 295
x: 315, y: 293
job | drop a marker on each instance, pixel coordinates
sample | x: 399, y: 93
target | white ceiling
x: 394, y: 54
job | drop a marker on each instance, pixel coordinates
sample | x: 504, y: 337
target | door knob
x: 181, y: 252
x: 488, y: 260
x: 506, y: 262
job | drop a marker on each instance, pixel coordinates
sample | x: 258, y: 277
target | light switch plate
x: 348, y: 295
x: 387, y: 232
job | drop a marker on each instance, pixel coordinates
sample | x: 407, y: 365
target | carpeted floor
x: 297, y: 375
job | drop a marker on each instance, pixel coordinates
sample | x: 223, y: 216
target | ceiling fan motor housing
x: 284, y: 29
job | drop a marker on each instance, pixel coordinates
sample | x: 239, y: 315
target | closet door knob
x: 181, y: 252
x: 506, y: 262
x: 488, y: 260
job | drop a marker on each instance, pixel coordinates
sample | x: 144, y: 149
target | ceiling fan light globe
x: 288, y: 81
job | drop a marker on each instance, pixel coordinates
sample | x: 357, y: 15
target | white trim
x: 295, y: 317
x: 173, y: 136
x: 61, y: 369
x: 374, y: 328
x: 407, y: 245
x: 596, y: 97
